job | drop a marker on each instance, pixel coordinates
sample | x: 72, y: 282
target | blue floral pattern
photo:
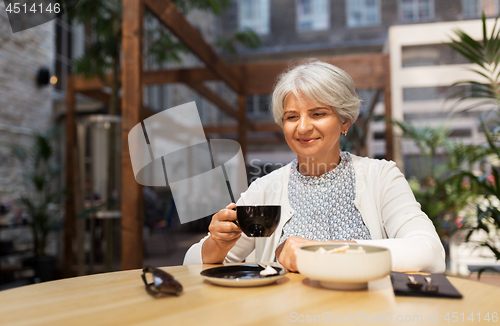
x: 324, y: 206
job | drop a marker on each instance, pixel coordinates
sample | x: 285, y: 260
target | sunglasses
x: 162, y: 282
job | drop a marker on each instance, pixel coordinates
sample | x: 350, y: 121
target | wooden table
x: 120, y: 299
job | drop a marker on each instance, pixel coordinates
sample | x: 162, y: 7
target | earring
x: 345, y: 133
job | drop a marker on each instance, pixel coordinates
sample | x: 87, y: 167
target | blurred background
x: 61, y: 181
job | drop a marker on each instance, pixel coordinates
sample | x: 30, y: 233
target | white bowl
x: 344, y: 271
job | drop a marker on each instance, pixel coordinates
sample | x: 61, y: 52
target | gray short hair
x: 320, y: 82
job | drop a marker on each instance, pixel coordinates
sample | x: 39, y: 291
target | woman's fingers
x: 222, y: 229
x: 228, y: 236
x: 286, y: 253
x: 227, y: 226
x: 228, y: 223
x: 225, y: 236
x: 227, y: 214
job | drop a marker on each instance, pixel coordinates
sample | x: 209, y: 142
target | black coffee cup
x: 258, y: 221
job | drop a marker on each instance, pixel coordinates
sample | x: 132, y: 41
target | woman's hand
x: 287, y: 251
x: 222, y: 230
x: 223, y: 235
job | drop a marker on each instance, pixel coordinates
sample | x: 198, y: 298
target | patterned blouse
x: 324, y: 206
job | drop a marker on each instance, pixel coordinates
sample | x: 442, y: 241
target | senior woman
x: 326, y: 195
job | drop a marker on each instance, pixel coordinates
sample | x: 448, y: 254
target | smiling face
x: 312, y: 131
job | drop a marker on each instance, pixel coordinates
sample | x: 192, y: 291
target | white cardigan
x: 387, y: 206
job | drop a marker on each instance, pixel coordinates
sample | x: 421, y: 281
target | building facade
x: 313, y: 28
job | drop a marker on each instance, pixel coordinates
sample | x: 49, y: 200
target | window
x: 259, y: 105
x: 313, y: 15
x: 363, y: 12
x: 475, y: 8
x: 254, y: 14
x: 412, y: 11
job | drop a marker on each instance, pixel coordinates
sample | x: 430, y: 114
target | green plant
x: 485, y: 55
x: 355, y: 141
x: 441, y: 195
x: 487, y: 186
x: 41, y: 194
x: 428, y: 140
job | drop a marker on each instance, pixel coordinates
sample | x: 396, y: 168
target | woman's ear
x: 346, y: 125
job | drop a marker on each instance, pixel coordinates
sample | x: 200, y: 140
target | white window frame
x: 415, y: 8
x: 319, y: 18
x: 364, y: 13
x: 478, y: 4
x: 260, y: 22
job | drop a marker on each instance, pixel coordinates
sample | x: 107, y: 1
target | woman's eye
x: 291, y: 117
x: 319, y: 114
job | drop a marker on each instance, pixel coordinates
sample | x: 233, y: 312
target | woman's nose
x: 304, y: 125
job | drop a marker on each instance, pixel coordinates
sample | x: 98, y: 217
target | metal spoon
x: 413, y: 284
x: 430, y: 287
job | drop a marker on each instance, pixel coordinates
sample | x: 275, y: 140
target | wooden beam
x: 242, y: 123
x: 367, y: 70
x: 195, y: 75
x: 105, y: 97
x: 83, y: 84
x: 389, y: 127
x: 132, y: 87
x: 263, y: 141
x: 268, y: 127
x: 146, y: 113
x: 266, y: 141
x: 218, y: 101
x: 279, y: 135
x: 233, y: 129
x: 170, y: 16
x: 69, y: 220
x: 214, y: 98
x: 221, y: 129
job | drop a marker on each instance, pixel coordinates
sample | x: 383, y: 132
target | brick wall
x: 24, y: 108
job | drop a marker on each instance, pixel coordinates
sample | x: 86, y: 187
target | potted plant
x: 41, y: 198
x: 441, y: 195
x: 485, y: 90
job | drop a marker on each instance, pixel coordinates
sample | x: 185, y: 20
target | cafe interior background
x: 69, y: 220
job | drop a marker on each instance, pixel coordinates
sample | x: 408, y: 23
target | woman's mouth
x: 306, y: 141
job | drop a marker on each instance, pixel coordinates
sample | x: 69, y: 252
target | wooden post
x: 132, y: 87
x: 79, y: 195
x: 69, y: 222
x: 389, y: 128
x: 242, y: 123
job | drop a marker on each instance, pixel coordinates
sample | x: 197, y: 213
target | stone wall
x: 24, y: 107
